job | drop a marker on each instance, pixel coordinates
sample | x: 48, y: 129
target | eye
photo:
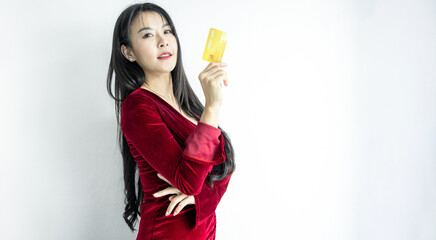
x: 145, y: 35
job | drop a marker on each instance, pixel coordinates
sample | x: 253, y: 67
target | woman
x: 165, y: 131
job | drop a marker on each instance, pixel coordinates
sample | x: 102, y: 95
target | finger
x: 209, y: 66
x: 187, y: 201
x: 224, y: 79
x: 190, y: 199
x: 174, y: 202
x: 181, y: 205
x: 213, y: 70
x: 214, y: 64
x: 216, y: 75
x: 220, y: 80
x: 166, y: 191
x: 226, y: 82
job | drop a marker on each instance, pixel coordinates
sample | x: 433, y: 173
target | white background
x: 331, y: 108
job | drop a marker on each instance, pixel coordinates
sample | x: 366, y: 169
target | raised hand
x: 212, y: 78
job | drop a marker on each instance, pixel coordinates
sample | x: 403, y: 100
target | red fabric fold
x: 208, y: 199
x: 201, y: 146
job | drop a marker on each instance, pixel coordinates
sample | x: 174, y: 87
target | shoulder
x: 138, y: 106
x: 136, y: 99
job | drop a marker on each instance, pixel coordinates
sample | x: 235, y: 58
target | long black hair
x: 128, y: 77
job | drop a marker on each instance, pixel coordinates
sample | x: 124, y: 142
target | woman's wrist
x: 210, y: 116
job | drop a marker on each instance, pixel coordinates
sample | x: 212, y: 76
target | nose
x: 163, y: 42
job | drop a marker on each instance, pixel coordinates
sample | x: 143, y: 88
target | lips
x: 165, y: 54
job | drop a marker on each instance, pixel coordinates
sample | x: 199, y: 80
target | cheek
x: 174, y: 44
x: 145, y: 51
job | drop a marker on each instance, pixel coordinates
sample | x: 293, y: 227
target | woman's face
x: 151, y: 36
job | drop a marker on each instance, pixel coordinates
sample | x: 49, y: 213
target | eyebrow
x: 150, y: 28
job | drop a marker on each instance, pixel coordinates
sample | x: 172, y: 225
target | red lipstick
x: 165, y: 55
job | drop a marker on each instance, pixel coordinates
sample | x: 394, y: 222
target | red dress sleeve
x: 207, y: 200
x: 186, y: 169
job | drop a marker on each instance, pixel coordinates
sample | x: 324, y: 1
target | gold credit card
x: 215, y: 45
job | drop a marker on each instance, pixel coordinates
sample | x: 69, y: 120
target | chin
x: 172, y: 68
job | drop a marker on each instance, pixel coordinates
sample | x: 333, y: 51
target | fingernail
x: 175, y: 214
x: 156, y: 194
x: 166, y: 214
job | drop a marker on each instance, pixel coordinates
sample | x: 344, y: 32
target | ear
x: 127, y: 52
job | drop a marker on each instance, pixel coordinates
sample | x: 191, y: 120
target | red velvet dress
x: 163, y: 140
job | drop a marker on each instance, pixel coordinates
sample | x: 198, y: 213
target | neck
x: 161, y: 84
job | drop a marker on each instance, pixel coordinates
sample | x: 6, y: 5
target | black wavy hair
x: 128, y: 77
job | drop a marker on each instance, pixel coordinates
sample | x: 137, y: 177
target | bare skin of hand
x: 180, y: 199
x: 211, y: 79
